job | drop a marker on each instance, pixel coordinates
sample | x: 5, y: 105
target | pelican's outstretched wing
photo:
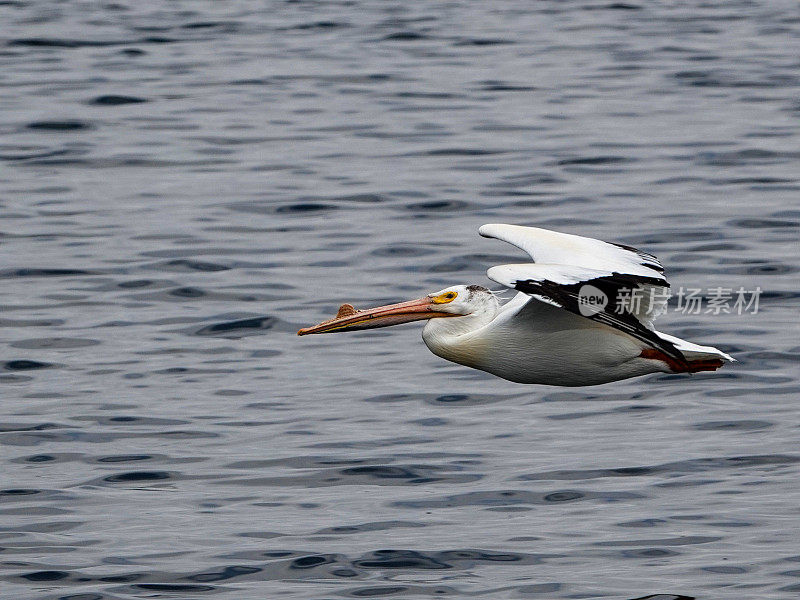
x: 619, y: 286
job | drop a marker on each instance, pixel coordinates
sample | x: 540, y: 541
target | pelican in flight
x: 583, y: 315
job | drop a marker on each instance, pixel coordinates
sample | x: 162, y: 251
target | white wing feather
x: 508, y: 275
x: 552, y: 247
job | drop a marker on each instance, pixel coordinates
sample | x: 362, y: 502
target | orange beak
x: 350, y: 319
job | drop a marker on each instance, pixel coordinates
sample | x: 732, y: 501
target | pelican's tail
x: 699, y: 358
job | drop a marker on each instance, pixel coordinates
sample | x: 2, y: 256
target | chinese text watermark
x: 652, y: 301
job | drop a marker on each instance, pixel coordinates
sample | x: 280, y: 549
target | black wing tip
x: 650, y: 260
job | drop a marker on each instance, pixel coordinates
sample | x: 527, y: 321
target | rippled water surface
x: 185, y: 184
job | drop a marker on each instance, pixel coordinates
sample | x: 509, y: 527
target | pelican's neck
x: 456, y: 338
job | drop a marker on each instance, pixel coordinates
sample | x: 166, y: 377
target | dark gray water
x: 185, y: 184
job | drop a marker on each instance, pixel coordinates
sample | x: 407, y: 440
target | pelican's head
x: 465, y: 300
x: 455, y: 301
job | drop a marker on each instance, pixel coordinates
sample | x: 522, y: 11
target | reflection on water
x: 186, y: 185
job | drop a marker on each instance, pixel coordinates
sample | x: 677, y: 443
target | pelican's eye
x: 444, y: 298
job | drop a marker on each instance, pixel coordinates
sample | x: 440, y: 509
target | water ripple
x: 189, y: 184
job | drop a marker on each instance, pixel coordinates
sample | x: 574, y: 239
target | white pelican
x: 583, y: 315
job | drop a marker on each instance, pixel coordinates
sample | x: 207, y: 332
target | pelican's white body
x: 520, y: 348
